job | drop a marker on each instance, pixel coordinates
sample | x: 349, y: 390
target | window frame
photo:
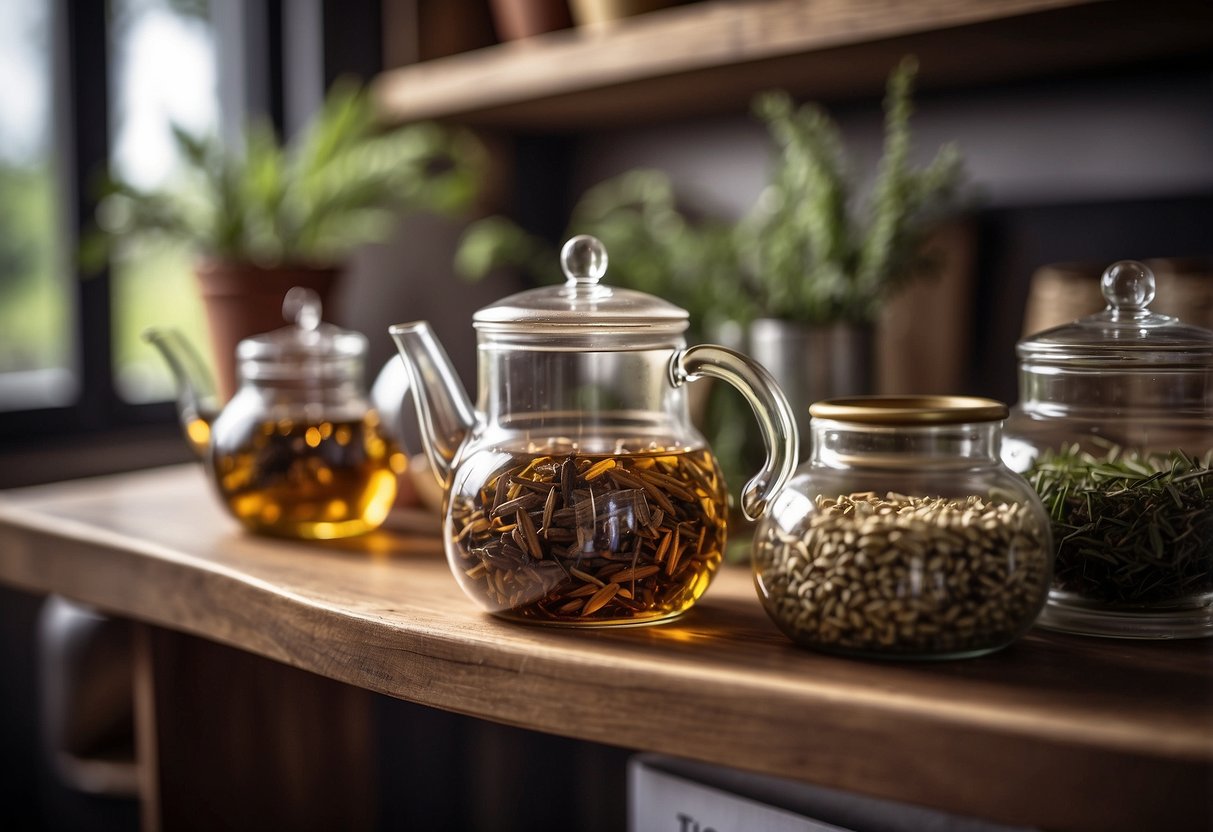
x: 276, y: 80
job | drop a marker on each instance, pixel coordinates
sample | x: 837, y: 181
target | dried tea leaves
x: 592, y: 539
x: 1132, y: 531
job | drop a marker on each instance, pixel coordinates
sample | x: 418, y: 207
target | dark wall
x: 1094, y: 168
x: 18, y: 708
x: 1015, y: 241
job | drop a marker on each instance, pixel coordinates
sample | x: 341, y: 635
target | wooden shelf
x: 1063, y: 732
x: 714, y: 55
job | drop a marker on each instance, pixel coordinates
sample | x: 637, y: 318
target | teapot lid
x: 582, y: 305
x: 1125, y: 334
x: 306, y: 346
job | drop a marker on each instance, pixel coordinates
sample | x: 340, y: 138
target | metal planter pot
x: 814, y: 362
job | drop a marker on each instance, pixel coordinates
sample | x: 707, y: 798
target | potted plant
x: 822, y: 261
x: 269, y: 215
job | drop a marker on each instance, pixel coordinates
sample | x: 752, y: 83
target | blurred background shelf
x: 710, y: 57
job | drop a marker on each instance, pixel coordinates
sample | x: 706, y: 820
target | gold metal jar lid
x: 910, y: 410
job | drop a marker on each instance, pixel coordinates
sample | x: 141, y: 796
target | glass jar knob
x: 584, y: 260
x: 1128, y: 287
x: 302, y: 307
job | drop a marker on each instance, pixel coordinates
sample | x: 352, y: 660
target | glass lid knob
x: 584, y: 260
x: 1128, y: 286
x: 306, y: 338
x: 301, y: 306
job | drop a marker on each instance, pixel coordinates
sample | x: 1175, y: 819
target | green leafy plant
x: 342, y: 182
x: 810, y: 250
x: 814, y: 250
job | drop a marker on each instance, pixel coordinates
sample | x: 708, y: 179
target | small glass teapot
x: 298, y: 451
x: 1114, y: 428
x: 577, y: 491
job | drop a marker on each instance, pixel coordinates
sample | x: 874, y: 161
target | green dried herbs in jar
x: 1114, y: 428
x: 1133, y: 530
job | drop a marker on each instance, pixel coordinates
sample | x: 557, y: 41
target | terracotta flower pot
x: 243, y: 299
x: 518, y: 19
x: 600, y: 12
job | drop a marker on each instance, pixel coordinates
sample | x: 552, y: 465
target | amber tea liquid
x: 588, y: 539
x: 311, y: 480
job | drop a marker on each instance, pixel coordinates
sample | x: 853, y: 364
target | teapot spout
x: 197, y: 402
x: 444, y: 411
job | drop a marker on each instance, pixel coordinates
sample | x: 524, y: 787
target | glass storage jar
x: 1114, y: 428
x: 904, y: 536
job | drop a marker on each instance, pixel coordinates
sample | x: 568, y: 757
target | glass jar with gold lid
x: 904, y: 535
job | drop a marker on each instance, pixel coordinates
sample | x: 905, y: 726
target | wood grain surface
x: 711, y: 56
x: 229, y: 740
x: 1056, y: 731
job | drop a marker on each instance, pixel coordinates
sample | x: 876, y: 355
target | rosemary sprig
x: 1132, y: 530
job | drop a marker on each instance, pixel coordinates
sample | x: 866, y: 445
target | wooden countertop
x: 1056, y: 731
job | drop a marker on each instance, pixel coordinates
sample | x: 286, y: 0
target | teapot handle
x: 770, y: 406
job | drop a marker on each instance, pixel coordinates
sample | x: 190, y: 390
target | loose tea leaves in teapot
x: 310, y: 480
x: 298, y: 451
x: 587, y: 538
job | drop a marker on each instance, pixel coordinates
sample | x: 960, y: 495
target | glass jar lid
x: 582, y: 306
x: 306, y: 348
x: 1125, y: 334
x: 909, y: 411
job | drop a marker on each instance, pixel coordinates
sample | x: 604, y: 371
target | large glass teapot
x: 577, y: 491
x: 1114, y: 427
x: 298, y: 451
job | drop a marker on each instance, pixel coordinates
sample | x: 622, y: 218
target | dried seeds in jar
x: 905, y: 536
x: 905, y: 575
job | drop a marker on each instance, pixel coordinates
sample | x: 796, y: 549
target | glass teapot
x: 577, y: 491
x: 1114, y: 428
x: 298, y: 451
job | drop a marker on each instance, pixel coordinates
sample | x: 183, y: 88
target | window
x: 89, y: 85
x: 163, y: 73
x: 36, y: 302
x: 97, y: 82
x: 64, y: 364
